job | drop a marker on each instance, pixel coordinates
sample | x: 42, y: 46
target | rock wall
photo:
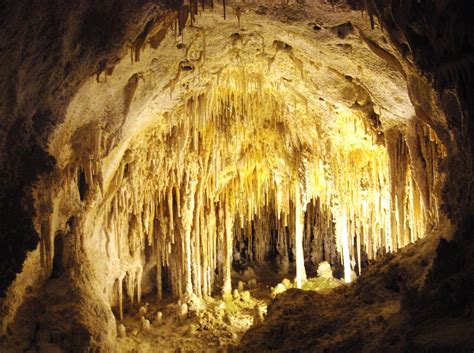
x: 47, y: 56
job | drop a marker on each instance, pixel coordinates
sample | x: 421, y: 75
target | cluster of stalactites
x: 80, y: 181
x: 416, y: 181
x: 270, y: 235
x: 235, y: 167
x: 385, y: 196
x: 361, y: 192
x: 182, y: 189
x: 371, y: 197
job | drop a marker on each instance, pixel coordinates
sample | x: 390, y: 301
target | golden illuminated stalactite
x: 130, y: 281
x: 161, y: 230
x: 300, y: 269
x: 196, y: 243
x: 319, y: 232
x: 159, y: 276
x: 188, y: 210
x: 221, y: 241
x: 415, y: 181
x: 46, y: 244
x: 229, y: 219
x: 120, y: 296
x: 399, y: 190
x: 282, y: 244
x: 202, y: 253
x: 139, y: 284
x: 343, y: 236
x: 212, y: 246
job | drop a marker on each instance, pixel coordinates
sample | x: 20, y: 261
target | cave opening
x: 246, y: 176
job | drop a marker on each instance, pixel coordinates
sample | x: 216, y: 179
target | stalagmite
x: 258, y: 315
x: 158, y: 318
x: 252, y: 283
x: 183, y: 312
x: 121, y: 331
x: 143, y: 310
x: 145, y: 325
x: 324, y: 270
x: 280, y: 288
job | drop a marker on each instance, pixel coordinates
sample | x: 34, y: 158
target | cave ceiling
x: 312, y: 70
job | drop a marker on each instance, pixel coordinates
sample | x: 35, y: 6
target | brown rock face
x: 46, y: 58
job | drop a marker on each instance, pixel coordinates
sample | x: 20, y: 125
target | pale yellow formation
x: 249, y: 141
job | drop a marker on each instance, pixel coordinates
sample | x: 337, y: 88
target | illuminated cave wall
x: 231, y: 166
x: 285, y: 139
x: 242, y: 163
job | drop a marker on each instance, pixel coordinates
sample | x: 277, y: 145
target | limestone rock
x: 183, y: 312
x: 258, y: 315
x: 121, y: 331
x: 284, y: 265
x: 280, y: 288
x: 191, y: 331
x: 252, y: 283
x: 143, y: 310
x: 246, y: 296
x: 324, y: 270
x: 159, y: 318
x: 287, y: 283
x: 249, y: 273
x: 145, y: 325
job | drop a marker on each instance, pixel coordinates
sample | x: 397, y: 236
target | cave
x: 237, y: 175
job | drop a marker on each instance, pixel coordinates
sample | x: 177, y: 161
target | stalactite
x: 199, y: 184
x: 190, y: 184
x: 46, y: 244
x: 159, y: 276
x: 139, y: 277
x: 196, y: 244
x: 343, y: 234
x: 229, y: 219
x: 238, y: 14
x: 120, y: 296
x: 300, y: 270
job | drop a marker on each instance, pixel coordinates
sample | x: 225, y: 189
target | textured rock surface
x: 45, y: 59
x: 382, y: 311
x: 124, y: 144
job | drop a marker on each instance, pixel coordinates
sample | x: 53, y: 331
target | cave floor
x: 219, y: 324
x: 378, y: 313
